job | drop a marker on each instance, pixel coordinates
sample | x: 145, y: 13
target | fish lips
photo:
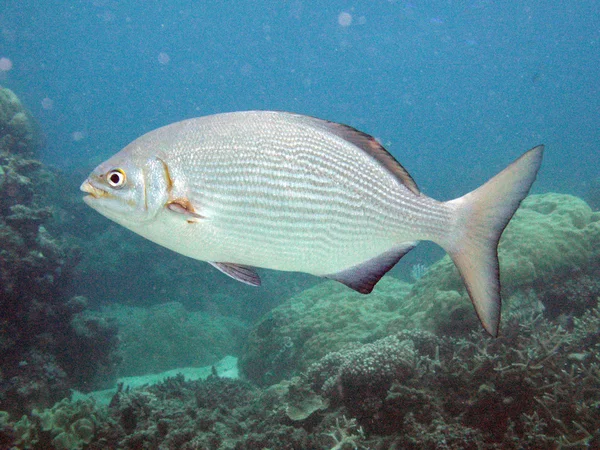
x: 97, y: 196
x: 109, y: 205
x: 92, y: 190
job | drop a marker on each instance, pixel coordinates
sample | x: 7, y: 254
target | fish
x: 284, y: 191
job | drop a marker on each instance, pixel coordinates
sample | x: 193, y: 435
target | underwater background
x: 454, y: 90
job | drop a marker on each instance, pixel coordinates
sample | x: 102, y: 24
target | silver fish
x: 295, y: 193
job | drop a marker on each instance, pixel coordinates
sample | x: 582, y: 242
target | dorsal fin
x: 373, y: 148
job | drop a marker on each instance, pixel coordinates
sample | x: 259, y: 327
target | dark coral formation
x: 535, y: 387
x: 46, y: 345
x: 213, y: 414
x: 571, y: 295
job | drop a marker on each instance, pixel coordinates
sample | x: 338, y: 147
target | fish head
x: 127, y: 189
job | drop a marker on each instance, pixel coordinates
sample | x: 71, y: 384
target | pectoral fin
x: 244, y: 274
x: 364, y: 276
x: 183, y: 206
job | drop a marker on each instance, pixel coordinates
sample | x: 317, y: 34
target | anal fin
x: 244, y: 274
x: 364, y: 276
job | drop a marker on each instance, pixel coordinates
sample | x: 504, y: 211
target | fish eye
x: 116, y: 178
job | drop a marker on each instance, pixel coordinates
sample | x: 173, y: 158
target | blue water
x: 455, y: 90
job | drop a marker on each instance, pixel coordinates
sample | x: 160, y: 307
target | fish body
x: 295, y: 193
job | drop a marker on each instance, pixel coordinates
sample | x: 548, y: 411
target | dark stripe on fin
x: 245, y: 274
x: 363, y: 277
x: 373, y: 148
x: 481, y: 218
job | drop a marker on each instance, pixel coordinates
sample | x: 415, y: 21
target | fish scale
x: 297, y: 190
x: 341, y: 215
x: 295, y: 193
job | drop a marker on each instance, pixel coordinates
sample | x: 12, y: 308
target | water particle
x: 47, y: 103
x: 163, y: 58
x: 345, y: 19
x: 5, y: 64
x: 78, y: 136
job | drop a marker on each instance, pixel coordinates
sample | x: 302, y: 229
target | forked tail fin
x: 481, y: 217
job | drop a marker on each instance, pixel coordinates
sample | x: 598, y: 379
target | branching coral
x: 346, y: 434
x: 539, y: 384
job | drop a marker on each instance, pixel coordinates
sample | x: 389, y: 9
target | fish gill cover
x: 452, y: 91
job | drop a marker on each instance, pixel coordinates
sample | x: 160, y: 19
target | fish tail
x: 480, y: 218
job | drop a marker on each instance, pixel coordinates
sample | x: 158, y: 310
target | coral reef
x: 570, y: 295
x: 65, y: 426
x: 320, y: 320
x: 537, y: 386
x: 46, y: 345
x: 216, y: 413
x: 360, y: 376
x: 19, y: 133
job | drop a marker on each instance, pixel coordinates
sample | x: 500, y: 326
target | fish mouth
x: 92, y: 190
